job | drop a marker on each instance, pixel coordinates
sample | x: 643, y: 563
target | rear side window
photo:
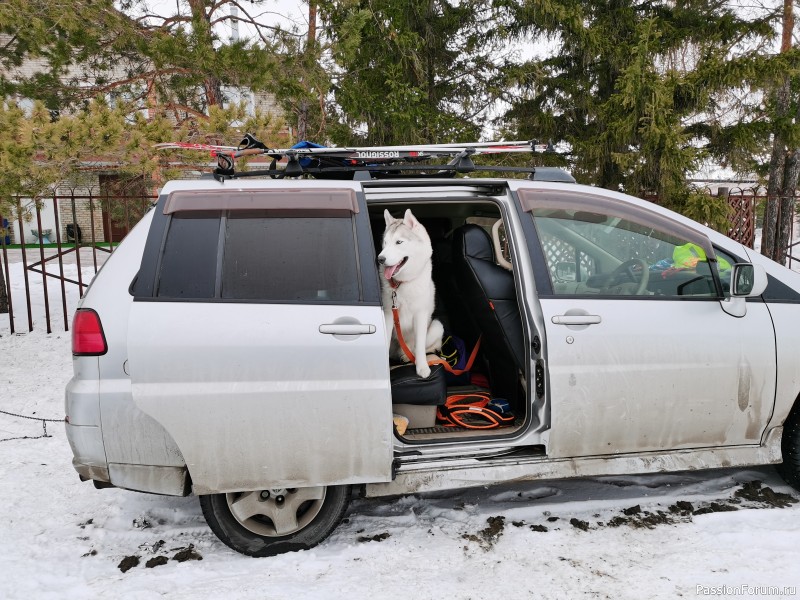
x: 189, y: 259
x: 289, y: 257
x: 260, y: 255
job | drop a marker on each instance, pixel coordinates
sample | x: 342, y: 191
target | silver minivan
x: 234, y: 347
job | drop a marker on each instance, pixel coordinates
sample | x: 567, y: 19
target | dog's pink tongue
x: 389, y: 271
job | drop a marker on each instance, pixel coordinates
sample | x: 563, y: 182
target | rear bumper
x: 85, y: 436
x: 168, y: 481
x: 89, y: 456
x: 91, y: 472
x: 93, y: 462
x: 89, y: 460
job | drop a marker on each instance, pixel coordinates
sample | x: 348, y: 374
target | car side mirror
x: 747, y: 281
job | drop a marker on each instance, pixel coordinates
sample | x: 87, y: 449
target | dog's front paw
x: 423, y: 370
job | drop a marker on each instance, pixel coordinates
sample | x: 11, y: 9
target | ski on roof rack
x: 318, y: 161
x: 252, y: 147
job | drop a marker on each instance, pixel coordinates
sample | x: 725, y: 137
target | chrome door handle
x: 347, y: 328
x: 576, y: 319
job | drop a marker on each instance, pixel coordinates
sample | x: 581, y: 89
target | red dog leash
x: 437, y: 361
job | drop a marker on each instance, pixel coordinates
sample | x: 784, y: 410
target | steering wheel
x: 636, y: 271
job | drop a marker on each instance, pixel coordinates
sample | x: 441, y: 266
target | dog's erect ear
x: 410, y: 220
x: 387, y: 216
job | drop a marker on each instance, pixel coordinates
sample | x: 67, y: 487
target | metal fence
x: 80, y: 230
x: 747, y: 210
x: 743, y: 205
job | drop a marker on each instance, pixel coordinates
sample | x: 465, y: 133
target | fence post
x: 60, y: 251
x: 77, y: 243
x: 7, y: 278
x: 24, y: 263
x: 91, y: 226
x: 44, y: 266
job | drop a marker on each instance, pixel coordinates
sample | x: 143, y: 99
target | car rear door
x: 636, y: 368
x: 257, y: 335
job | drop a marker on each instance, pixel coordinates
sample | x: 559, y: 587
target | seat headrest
x: 474, y: 242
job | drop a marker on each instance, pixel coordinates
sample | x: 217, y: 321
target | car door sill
x: 529, y: 464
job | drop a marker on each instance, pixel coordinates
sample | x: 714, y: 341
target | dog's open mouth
x: 389, y: 272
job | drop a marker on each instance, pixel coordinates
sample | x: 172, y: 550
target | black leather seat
x: 416, y: 398
x: 489, y: 293
x: 410, y: 388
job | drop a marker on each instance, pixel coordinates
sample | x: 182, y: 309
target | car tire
x: 789, y: 469
x: 270, y: 522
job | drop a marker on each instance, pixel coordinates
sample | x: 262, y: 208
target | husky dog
x: 406, y: 263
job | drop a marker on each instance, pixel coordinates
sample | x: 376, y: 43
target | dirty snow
x: 657, y: 536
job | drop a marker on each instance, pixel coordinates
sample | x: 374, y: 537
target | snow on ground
x: 656, y: 536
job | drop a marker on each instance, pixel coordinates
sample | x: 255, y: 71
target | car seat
x: 416, y: 398
x: 490, y: 295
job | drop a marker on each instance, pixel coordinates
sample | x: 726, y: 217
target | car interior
x: 476, y: 300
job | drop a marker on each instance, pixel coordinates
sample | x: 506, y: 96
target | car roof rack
x: 371, y: 162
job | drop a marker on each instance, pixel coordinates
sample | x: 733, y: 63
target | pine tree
x: 177, y: 62
x: 631, y: 87
x: 303, y: 83
x: 410, y: 72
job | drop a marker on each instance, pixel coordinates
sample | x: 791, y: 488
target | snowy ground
x: 660, y: 536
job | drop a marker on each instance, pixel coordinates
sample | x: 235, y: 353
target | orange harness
x: 436, y: 361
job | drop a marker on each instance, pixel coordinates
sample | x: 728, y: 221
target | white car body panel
x: 245, y: 395
x: 656, y: 374
x: 787, y: 342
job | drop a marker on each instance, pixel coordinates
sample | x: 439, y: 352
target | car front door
x: 640, y: 354
x: 257, y: 336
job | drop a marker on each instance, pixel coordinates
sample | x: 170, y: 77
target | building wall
x: 86, y: 209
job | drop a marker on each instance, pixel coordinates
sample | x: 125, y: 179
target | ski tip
x: 190, y: 146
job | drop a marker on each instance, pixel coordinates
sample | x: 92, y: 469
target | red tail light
x: 88, y: 338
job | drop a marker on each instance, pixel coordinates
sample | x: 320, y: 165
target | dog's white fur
x: 407, y: 240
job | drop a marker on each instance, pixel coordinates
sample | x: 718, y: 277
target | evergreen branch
x: 11, y: 40
x: 165, y: 22
x: 249, y: 20
x: 142, y: 77
x: 174, y: 106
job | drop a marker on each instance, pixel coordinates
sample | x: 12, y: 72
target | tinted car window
x: 780, y: 292
x: 288, y: 257
x: 189, y: 259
